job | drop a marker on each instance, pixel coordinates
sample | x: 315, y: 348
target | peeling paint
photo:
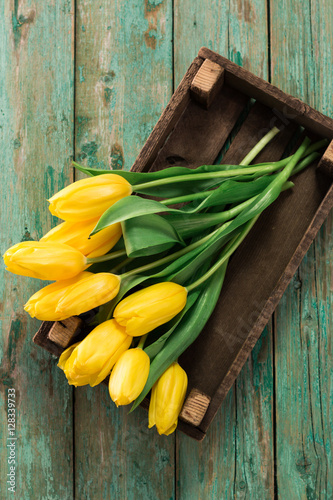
x: 107, y: 94
x: 89, y: 152
x: 150, y: 39
x: 108, y: 77
x: 18, y: 21
x: 152, y: 9
x: 81, y: 77
x: 26, y: 236
x: 117, y: 157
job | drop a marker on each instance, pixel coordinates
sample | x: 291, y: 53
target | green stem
x: 186, y: 198
x: 260, y: 145
x: 227, y: 252
x: 122, y: 264
x: 269, y: 168
x: 248, y: 158
x: 286, y: 172
x: 208, y: 175
x: 173, y: 256
x: 142, y: 341
x: 316, y: 146
x: 304, y: 163
x: 108, y: 256
x: 235, y: 242
x: 261, y: 169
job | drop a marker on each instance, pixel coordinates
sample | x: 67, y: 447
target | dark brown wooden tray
x: 212, y: 108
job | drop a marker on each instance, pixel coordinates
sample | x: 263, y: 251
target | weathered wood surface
x: 303, y: 321
x: 239, y: 441
x: 123, y: 82
x: 36, y: 141
x: 273, y: 432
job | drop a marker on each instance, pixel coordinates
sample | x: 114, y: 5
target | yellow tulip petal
x: 89, y: 198
x: 145, y: 310
x: 167, y: 398
x: 93, y: 359
x: 89, y: 293
x: 44, y: 260
x: 76, y: 235
x: 42, y: 305
x: 65, y: 355
x: 129, y: 376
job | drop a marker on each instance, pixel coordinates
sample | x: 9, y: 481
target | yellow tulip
x: 76, y: 235
x: 44, y: 260
x: 149, y: 308
x: 91, y: 361
x: 129, y: 376
x: 65, y: 355
x: 89, y: 198
x: 90, y: 292
x: 167, y: 398
x: 43, y: 304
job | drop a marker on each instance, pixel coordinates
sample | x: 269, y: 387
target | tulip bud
x: 167, y: 398
x: 149, y: 308
x: 129, y: 376
x: 45, y: 261
x: 91, y: 361
x: 76, y: 235
x: 65, y: 355
x: 42, y: 305
x: 89, y: 198
x: 86, y: 294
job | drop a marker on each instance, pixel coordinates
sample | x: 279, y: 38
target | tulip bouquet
x: 151, y: 270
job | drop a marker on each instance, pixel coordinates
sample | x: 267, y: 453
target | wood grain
x: 303, y: 336
x: 36, y: 134
x: 326, y: 163
x: 207, y: 82
x: 242, y: 431
x: 272, y: 96
x: 124, y: 76
x: 62, y: 332
x: 123, y: 82
x: 199, y: 133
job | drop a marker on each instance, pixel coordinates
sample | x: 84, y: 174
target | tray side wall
x: 180, y: 134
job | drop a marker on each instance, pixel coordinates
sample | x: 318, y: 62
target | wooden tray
x: 213, y: 107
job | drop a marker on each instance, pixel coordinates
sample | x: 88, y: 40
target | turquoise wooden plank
x: 36, y: 130
x: 123, y: 78
x: 302, y: 65
x: 237, y: 457
x: 236, y: 29
x: 123, y: 82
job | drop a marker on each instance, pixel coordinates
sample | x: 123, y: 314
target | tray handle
x: 207, y: 82
x: 326, y: 163
x: 195, y: 407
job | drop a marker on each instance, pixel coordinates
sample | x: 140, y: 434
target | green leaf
x: 140, y: 177
x: 176, y: 188
x: 232, y: 192
x: 106, y: 310
x: 186, y: 224
x: 260, y: 202
x: 173, y: 188
x: 154, y: 348
x: 186, y: 331
x: 127, y: 208
x: 148, y: 235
